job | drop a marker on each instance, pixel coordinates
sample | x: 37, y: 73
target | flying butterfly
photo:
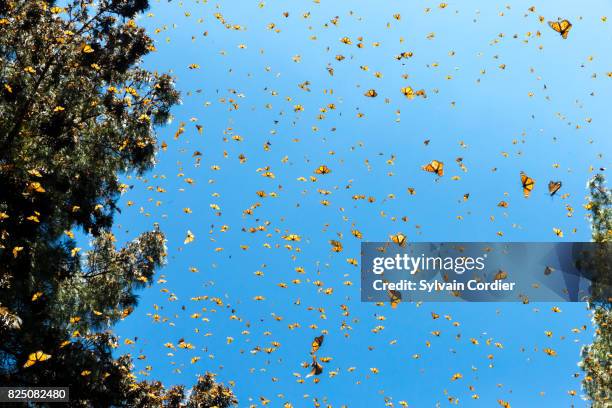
x: 553, y: 187
x: 500, y: 275
x: 436, y: 167
x: 528, y: 183
x: 36, y: 357
x: 563, y: 27
x: 316, y: 368
x: 550, y: 352
x: 395, y: 296
x: 504, y: 404
x: 316, y: 344
x: 336, y: 245
x: 322, y: 170
x: 399, y: 239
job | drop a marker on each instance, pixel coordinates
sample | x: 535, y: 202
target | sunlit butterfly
x: 399, y: 239
x: 336, y: 245
x: 36, y: 358
x: 553, y: 187
x: 563, y: 27
x: 316, y: 344
x: 316, y: 368
x: 395, y: 297
x: 322, y: 170
x: 436, y: 167
x: 528, y: 184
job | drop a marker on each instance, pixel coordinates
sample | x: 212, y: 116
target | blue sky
x: 474, y: 110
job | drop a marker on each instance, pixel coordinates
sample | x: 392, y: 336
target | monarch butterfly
x: 371, y: 93
x: 395, y: 297
x: 503, y: 403
x: 292, y: 237
x: 563, y: 27
x: 316, y: 367
x: 36, y: 358
x: 503, y: 204
x: 436, y: 167
x: 554, y: 186
x: 316, y: 344
x: 408, y: 92
x: 190, y: 237
x: 501, y: 275
x: 550, y: 352
x: 336, y: 246
x: 528, y: 184
x: 399, y: 239
x: 322, y: 170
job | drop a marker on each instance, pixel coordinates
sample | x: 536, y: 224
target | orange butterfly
x: 554, y: 186
x: 563, y: 27
x: 36, y: 357
x: 316, y: 344
x: 395, y: 296
x: 336, y: 245
x: 503, y: 403
x: 435, y: 166
x: 528, y: 184
x: 500, y: 275
x: 399, y: 239
x: 322, y: 170
x: 316, y: 368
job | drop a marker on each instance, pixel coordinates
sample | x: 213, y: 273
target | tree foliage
x: 76, y: 112
x: 597, y: 357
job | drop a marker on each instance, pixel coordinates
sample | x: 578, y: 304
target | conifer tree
x: 597, y: 357
x: 77, y: 111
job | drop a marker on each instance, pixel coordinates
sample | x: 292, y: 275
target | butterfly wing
x: 428, y: 167
x: 439, y: 167
x: 566, y: 26
x: 555, y: 25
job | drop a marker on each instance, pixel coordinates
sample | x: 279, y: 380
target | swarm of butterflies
x: 290, y: 240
